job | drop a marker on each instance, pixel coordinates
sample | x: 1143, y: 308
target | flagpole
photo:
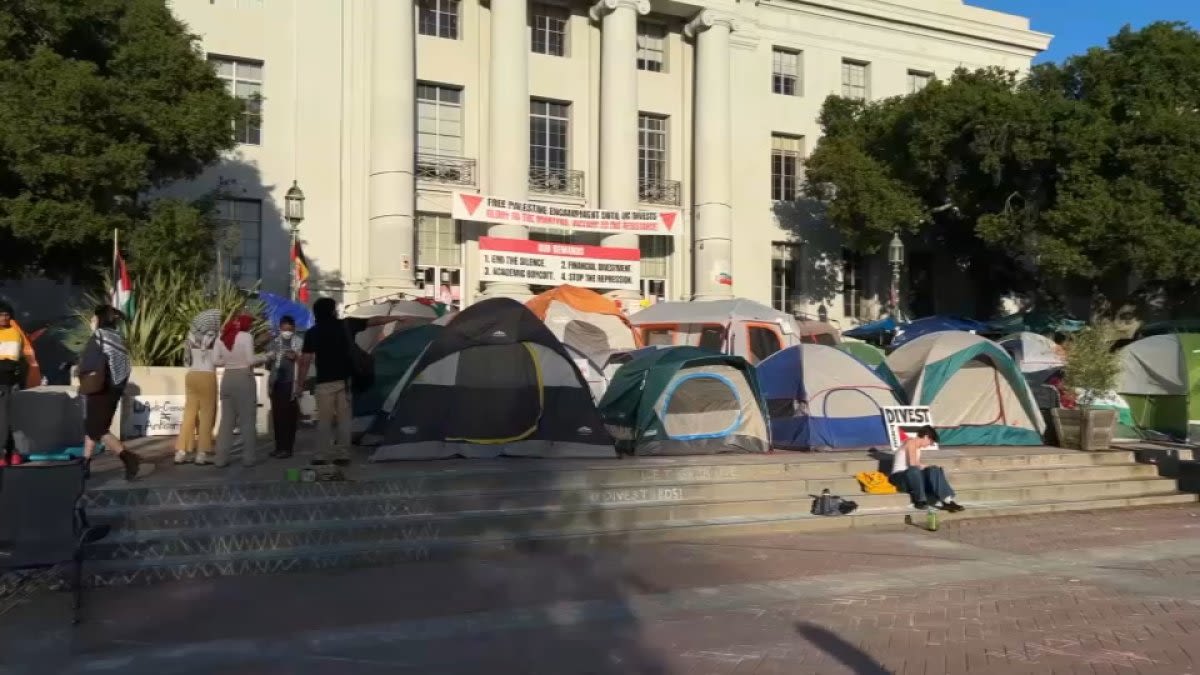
x: 116, y: 281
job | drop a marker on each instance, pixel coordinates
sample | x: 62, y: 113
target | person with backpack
x: 926, y: 485
x: 104, y: 369
x: 341, y: 366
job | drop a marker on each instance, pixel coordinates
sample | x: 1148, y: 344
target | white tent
x: 1033, y: 352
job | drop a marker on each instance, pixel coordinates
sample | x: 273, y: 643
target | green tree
x: 1083, y: 170
x: 101, y: 103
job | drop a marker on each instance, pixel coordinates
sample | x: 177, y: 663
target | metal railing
x: 556, y: 181
x: 446, y: 169
x: 658, y: 191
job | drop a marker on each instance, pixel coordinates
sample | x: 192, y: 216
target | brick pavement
x: 1094, y: 593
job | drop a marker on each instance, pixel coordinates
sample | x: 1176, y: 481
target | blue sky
x: 1079, y: 24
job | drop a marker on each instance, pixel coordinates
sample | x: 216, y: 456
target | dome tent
x: 685, y: 401
x: 736, y: 326
x: 494, y: 382
x: 863, y: 351
x: 1034, y: 353
x: 974, y: 390
x: 393, y: 356
x: 584, y: 320
x: 1160, y: 380
x: 820, y: 398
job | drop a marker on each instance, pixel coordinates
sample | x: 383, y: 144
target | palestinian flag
x: 122, y: 293
x: 300, y: 273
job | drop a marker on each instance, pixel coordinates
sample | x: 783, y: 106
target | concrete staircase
x: 396, y: 513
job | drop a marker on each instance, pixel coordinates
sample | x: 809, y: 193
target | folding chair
x: 43, y: 528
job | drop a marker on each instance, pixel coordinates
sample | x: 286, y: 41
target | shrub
x: 1092, y: 367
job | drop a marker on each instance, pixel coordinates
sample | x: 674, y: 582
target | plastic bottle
x: 931, y: 519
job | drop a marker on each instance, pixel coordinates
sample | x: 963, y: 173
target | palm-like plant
x: 166, y: 304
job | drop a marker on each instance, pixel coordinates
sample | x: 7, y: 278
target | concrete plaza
x: 1083, y: 592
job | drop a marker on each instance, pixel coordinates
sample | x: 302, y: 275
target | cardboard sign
x: 484, y: 209
x: 154, y: 416
x: 903, y: 422
x: 525, y: 261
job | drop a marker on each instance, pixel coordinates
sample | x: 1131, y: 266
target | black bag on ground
x: 826, y: 504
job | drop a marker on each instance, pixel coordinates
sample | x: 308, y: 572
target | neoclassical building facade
x: 383, y: 111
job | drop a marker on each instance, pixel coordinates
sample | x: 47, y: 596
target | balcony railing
x: 556, y: 181
x: 657, y: 191
x: 446, y: 169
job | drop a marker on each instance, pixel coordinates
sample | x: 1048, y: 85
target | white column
x: 508, y: 120
x: 713, y: 148
x: 392, y: 184
x: 619, y: 111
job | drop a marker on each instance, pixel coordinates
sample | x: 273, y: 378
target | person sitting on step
x: 925, y: 484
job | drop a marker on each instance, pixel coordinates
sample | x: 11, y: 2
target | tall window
x: 552, y: 235
x: 652, y: 150
x: 651, y: 47
x: 239, y: 240
x: 855, y: 83
x: 854, y: 277
x: 918, y: 80
x: 785, y: 275
x: 244, y: 79
x: 656, y: 256
x: 787, y: 161
x: 438, y: 18
x: 439, y: 240
x: 549, y: 29
x: 785, y: 72
x: 439, y: 120
x: 549, y: 126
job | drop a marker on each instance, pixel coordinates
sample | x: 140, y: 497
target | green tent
x: 393, y: 357
x: 1160, y: 380
x: 685, y: 401
x: 867, y: 353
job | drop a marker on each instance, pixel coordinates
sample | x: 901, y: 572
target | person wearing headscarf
x: 239, y: 402
x: 200, y: 390
x: 106, y: 352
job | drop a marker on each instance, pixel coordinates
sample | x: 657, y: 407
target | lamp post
x: 896, y: 260
x: 293, y: 210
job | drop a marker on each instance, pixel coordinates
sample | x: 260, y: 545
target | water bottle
x: 931, y: 521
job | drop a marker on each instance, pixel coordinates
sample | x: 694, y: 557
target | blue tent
x: 935, y: 324
x: 873, y: 330
x: 821, y: 398
x: 279, y: 306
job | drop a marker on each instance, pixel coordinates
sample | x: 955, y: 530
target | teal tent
x: 685, y: 401
x: 393, y: 357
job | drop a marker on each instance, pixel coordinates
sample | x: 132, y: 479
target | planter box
x: 1088, y: 429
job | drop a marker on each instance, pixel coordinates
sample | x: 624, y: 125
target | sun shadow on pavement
x: 845, y: 653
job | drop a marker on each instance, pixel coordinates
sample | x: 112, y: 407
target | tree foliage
x: 1082, y: 169
x: 101, y: 103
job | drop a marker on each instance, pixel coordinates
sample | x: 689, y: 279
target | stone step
x: 374, y: 553
x: 370, y: 506
x: 393, y: 480
x: 504, y: 521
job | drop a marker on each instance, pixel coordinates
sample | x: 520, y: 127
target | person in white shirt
x: 200, y: 389
x: 239, y: 402
x: 925, y: 484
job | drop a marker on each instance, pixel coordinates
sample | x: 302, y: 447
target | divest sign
x: 904, y: 421
x: 484, y: 209
x: 549, y: 264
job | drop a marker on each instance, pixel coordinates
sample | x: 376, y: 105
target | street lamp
x: 896, y: 260
x: 293, y: 210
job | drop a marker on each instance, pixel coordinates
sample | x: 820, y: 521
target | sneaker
x: 182, y: 457
x: 920, y: 506
x: 132, y: 463
x: 280, y: 454
x: 203, y: 458
x: 953, y: 507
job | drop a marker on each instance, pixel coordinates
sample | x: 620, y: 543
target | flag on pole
x: 122, y: 294
x: 299, y: 272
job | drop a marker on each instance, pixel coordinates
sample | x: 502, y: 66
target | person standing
x: 328, y: 345
x: 924, y: 484
x: 105, y: 353
x: 200, y: 390
x: 239, y: 401
x: 12, y: 346
x: 285, y: 411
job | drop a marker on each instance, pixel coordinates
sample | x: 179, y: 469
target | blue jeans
x: 921, y: 484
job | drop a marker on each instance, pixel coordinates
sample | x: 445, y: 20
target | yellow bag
x: 875, y: 483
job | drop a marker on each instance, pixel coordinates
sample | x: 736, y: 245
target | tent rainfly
x: 685, y: 401
x: 1160, y: 380
x: 864, y: 351
x: 494, y: 382
x: 974, y: 390
x: 1033, y: 352
x: 820, y: 398
x: 584, y: 320
x: 393, y: 356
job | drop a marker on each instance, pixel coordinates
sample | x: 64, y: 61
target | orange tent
x: 585, y: 320
x: 33, y: 372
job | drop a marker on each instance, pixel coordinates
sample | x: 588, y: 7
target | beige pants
x: 199, y: 412
x: 333, y: 404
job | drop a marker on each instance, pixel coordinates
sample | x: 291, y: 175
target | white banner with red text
x: 544, y: 263
x: 484, y: 209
